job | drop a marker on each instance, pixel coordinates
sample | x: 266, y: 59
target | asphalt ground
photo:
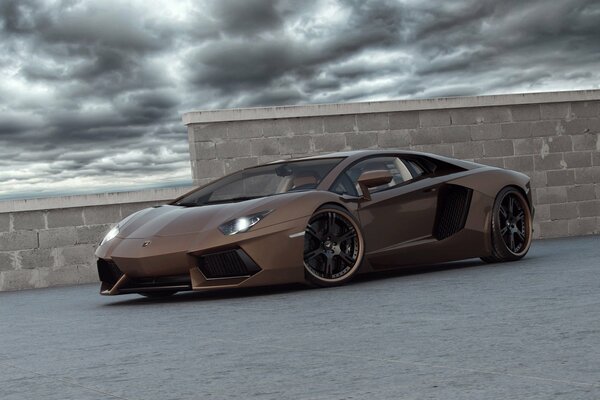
x: 466, y: 330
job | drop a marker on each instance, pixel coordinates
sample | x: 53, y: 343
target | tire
x: 511, y: 226
x: 159, y: 294
x: 333, y: 247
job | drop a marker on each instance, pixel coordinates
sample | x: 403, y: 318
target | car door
x: 400, y: 212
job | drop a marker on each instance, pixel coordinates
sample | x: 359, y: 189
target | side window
x: 416, y: 170
x: 347, y: 183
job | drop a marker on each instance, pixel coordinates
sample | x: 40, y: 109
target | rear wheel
x: 511, y: 226
x: 333, y: 247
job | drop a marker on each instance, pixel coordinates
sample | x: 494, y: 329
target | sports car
x: 321, y: 221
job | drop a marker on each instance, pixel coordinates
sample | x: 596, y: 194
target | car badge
x: 146, y: 243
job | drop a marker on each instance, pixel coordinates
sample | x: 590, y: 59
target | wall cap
x: 318, y: 110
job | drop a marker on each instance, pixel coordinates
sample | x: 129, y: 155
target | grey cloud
x: 92, y: 91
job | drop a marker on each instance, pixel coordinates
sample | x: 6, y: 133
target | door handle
x: 429, y: 190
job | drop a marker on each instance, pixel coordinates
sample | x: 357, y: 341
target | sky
x: 92, y: 92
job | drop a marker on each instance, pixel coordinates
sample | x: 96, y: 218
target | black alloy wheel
x: 333, y: 247
x: 511, y: 226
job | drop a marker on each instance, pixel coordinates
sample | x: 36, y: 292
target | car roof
x: 353, y: 154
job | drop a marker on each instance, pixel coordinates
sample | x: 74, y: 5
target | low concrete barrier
x: 48, y: 242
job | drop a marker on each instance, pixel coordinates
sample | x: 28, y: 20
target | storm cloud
x: 92, y: 92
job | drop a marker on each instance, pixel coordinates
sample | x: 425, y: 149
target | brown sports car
x: 320, y: 220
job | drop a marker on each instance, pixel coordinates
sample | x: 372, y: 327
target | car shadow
x: 233, y: 293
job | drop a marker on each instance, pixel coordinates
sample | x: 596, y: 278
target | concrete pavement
x: 467, y: 330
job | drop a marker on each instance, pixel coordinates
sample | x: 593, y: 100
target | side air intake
x: 227, y: 264
x: 452, y: 211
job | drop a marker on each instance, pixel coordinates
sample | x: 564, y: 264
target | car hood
x: 171, y: 220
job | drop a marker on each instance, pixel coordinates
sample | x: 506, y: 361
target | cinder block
x: 237, y: 164
x: 4, y: 222
x: 491, y: 161
x: 426, y: 136
x: 525, y: 112
x: 204, y: 151
x: 395, y: 139
x: 584, y: 226
x: 542, y: 212
x: 18, y: 240
x: 329, y: 142
x: 18, y: 279
x: 546, y: 128
x: 210, y: 169
x: 563, y: 211
x: 429, y: 118
x: 548, y: 162
x: 498, y: 148
x: 454, y: 134
x: 563, y: 177
x: 587, y: 175
x: 208, y: 132
x: 372, y: 122
x: 527, y: 146
x: 515, y: 130
x: 294, y: 144
x: 58, y: 237
x: 551, y: 195
x: 439, y: 149
x: 465, y: 116
x: 578, y: 159
x: 244, y: 129
x: 293, y: 126
x: 596, y: 158
x: 581, y: 192
x: 82, y: 254
x: 555, y: 110
x: 28, y: 220
x: 233, y: 149
x: 362, y: 140
x: 486, y: 132
x: 538, y: 178
x: 589, y: 208
x: 585, y: 109
x: 468, y: 150
x: 558, y: 144
x: 102, y: 214
x: 519, y: 163
x: 339, y: 123
x: 92, y: 234
x: 582, y: 126
x: 584, y: 142
x: 65, y: 217
x: 264, y: 147
x: 404, y: 120
x: 551, y: 229
x: 7, y: 261
x: 36, y: 258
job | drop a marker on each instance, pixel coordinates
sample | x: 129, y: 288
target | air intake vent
x: 227, y: 264
x: 453, y: 208
x: 108, y: 271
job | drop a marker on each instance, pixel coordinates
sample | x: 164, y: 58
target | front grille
x: 108, y: 271
x: 227, y: 264
x: 453, y: 208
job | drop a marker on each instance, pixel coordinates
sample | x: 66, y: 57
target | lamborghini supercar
x: 320, y: 220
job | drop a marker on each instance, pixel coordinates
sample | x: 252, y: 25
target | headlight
x: 110, y: 235
x: 242, y: 224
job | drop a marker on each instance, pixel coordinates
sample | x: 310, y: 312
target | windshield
x: 265, y: 180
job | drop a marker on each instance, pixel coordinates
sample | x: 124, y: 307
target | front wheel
x: 511, y: 226
x: 333, y: 247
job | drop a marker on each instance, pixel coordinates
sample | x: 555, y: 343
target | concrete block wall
x: 552, y: 137
x: 48, y: 242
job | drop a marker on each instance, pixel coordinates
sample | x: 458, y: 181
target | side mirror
x: 371, y: 179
